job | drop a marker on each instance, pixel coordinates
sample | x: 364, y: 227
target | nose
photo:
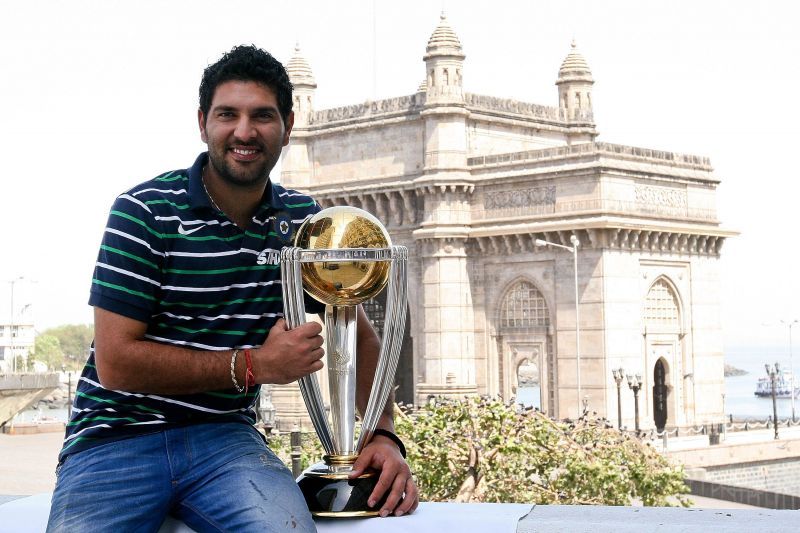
x: 245, y: 130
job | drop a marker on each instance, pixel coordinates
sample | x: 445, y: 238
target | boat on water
x: 783, y: 386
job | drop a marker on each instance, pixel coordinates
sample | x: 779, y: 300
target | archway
x: 526, y: 368
x: 660, y: 393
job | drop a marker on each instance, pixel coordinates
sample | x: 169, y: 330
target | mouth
x: 244, y: 154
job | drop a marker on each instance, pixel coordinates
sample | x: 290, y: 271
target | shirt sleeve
x: 127, y: 275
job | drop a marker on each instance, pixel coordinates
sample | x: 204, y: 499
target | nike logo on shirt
x: 184, y: 231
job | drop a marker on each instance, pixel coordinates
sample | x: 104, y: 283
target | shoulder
x: 169, y: 190
x: 297, y: 203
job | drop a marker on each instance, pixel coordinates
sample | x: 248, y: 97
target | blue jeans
x: 213, y: 477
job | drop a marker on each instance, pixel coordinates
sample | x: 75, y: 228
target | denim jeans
x: 213, y: 477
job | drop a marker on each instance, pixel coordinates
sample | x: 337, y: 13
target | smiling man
x: 187, y: 327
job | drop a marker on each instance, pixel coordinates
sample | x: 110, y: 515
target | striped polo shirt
x: 170, y: 259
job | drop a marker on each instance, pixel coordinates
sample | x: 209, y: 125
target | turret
x: 575, y: 86
x: 444, y: 64
x: 304, y: 86
x: 295, y: 162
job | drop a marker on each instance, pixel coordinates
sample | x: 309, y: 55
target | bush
x: 483, y: 450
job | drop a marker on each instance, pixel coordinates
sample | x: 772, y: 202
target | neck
x: 239, y: 203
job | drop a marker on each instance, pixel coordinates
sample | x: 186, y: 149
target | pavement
x: 28, y: 462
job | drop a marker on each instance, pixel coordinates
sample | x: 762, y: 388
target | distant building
x: 17, y: 333
x: 469, y: 183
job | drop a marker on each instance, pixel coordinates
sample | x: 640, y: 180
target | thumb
x: 360, y: 465
x: 280, y: 325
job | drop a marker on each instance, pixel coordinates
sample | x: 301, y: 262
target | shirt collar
x: 198, y: 198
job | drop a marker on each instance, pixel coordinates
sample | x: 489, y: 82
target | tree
x: 483, y: 450
x: 74, y: 341
x: 47, y: 349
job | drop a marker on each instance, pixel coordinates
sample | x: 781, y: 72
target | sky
x: 102, y: 95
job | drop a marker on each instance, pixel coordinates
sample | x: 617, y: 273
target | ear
x: 201, y: 122
x: 288, y: 128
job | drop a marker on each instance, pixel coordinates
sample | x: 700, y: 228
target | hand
x: 288, y: 355
x: 383, y: 455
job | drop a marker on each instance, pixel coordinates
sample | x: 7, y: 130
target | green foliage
x: 310, y: 448
x: 483, y: 450
x: 47, y: 349
x: 64, y: 345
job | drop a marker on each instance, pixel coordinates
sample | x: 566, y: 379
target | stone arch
x: 524, y: 339
x: 662, y: 306
x: 661, y: 393
x: 663, y: 318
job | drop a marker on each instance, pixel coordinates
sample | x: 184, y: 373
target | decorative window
x: 376, y: 313
x: 524, y: 306
x: 661, y: 307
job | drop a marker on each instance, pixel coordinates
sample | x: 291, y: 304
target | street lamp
x: 574, y: 249
x: 774, y: 372
x: 11, y: 330
x: 266, y: 408
x: 791, y: 363
x: 619, y: 376
x: 635, y: 383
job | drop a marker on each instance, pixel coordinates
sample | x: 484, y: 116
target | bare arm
x: 369, y: 346
x: 381, y: 453
x: 127, y: 361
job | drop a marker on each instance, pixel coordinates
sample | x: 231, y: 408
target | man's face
x: 244, y: 132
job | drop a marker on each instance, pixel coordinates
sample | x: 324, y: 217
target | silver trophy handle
x: 294, y: 307
x: 394, y: 327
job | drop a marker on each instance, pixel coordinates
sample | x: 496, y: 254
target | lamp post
x: 635, y: 384
x: 266, y: 408
x: 574, y: 250
x: 773, y: 372
x: 11, y: 329
x: 791, y: 363
x: 619, y: 376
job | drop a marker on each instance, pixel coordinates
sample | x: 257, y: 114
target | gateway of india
x: 470, y: 183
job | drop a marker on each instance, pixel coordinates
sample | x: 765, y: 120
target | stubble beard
x: 240, y: 177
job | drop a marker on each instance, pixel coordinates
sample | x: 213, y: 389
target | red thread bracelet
x: 249, y: 378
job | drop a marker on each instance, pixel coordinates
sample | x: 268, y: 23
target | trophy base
x: 329, y: 493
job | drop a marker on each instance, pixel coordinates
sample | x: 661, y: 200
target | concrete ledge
x: 745, y: 495
x: 28, y: 515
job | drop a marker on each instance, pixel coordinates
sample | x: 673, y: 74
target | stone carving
x: 378, y: 107
x: 520, y: 198
x: 592, y: 148
x: 661, y: 196
x: 509, y: 105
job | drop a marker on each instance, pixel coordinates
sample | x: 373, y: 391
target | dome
x: 298, y: 69
x: 443, y: 41
x: 574, y: 67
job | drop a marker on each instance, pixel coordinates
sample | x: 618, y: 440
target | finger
x: 316, y: 366
x: 280, y: 325
x: 396, y: 494
x: 360, y: 465
x: 317, y: 354
x: 410, y: 499
x: 310, y: 329
x: 385, y: 481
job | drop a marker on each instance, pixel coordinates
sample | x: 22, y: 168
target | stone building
x: 469, y: 183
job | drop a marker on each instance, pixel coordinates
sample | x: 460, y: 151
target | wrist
x: 392, y: 437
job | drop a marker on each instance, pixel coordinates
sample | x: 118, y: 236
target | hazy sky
x: 101, y: 95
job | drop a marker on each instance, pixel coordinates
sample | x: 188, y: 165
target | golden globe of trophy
x: 342, y: 257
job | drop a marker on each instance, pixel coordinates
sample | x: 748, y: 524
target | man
x: 187, y: 303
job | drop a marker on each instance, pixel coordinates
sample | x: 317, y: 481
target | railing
x: 593, y: 148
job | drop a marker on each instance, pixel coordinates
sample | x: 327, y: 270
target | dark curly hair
x: 247, y: 63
